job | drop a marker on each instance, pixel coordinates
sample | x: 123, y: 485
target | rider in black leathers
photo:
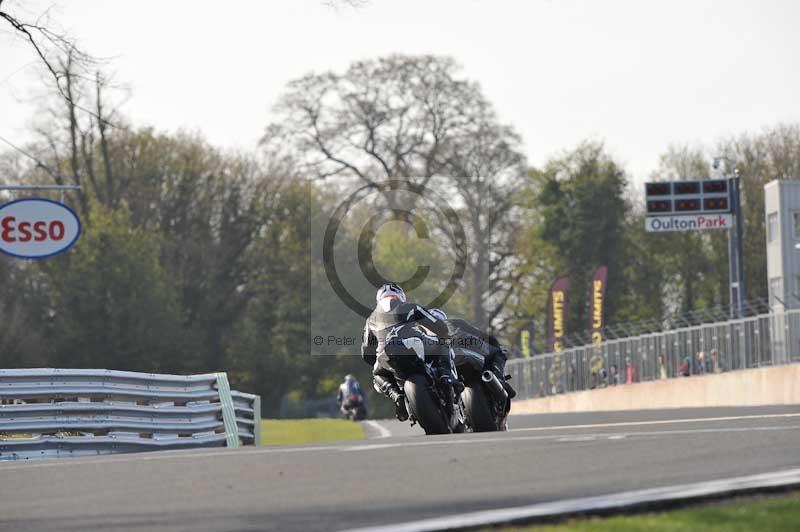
x: 465, y: 335
x: 396, y: 335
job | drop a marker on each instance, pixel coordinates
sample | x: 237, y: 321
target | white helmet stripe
x: 427, y: 314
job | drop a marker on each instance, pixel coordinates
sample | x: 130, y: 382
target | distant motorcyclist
x: 351, y: 398
x: 396, y: 331
x: 466, y: 336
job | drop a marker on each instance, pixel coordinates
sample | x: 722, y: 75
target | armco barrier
x: 74, y: 412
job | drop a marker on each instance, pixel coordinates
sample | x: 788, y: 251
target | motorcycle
x: 430, y: 403
x: 485, y: 401
x: 353, y: 408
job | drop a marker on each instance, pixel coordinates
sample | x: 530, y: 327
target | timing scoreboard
x: 688, y: 205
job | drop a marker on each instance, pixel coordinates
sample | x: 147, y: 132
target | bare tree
x: 383, y: 119
x: 76, y: 144
x: 486, y: 170
x: 51, y: 46
x: 413, y: 118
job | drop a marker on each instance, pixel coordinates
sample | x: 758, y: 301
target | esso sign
x: 36, y: 228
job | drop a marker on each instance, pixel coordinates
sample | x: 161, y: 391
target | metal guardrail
x: 74, y: 412
x: 763, y: 340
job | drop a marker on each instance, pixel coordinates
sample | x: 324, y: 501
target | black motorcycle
x: 430, y: 402
x: 485, y: 401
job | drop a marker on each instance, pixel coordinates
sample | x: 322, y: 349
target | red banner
x: 557, y: 315
x: 597, y: 299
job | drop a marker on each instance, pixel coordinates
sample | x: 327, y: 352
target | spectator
x: 602, y: 376
x: 572, y: 377
x: 613, y: 377
x: 630, y: 371
x: 596, y: 369
x: 700, y: 363
x: 685, y: 369
x: 662, y: 367
x: 542, y: 389
x: 554, y: 376
x: 643, y: 369
x: 716, y: 367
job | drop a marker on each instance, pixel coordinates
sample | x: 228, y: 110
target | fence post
x: 228, y: 412
x: 257, y: 419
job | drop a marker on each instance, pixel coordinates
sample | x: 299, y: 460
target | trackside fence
x: 76, y: 412
x: 763, y: 340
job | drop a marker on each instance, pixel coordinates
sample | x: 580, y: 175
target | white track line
x: 657, y: 422
x: 452, y: 440
x: 613, y: 501
x: 383, y: 432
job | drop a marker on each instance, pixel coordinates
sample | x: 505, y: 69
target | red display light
x: 687, y: 187
x: 715, y: 204
x: 657, y: 189
x: 715, y: 186
x: 659, y: 206
x: 689, y: 204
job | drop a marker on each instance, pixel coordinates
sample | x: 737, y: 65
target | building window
x: 772, y: 227
x: 796, y: 216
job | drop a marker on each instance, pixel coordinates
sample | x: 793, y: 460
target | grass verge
x: 780, y: 512
x: 300, y: 431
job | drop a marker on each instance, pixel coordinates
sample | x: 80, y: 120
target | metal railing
x: 763, y: 340
x: 75, y: 412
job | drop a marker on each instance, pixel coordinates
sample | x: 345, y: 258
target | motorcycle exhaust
x: 495, y: 386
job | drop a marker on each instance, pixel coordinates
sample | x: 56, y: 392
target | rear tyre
x: 360, y: 414
x: 423, y: 407
x: 476, y: 410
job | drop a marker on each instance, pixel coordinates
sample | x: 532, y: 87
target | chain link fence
x: 763, y: 340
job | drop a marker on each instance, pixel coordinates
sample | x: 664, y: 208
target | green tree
x: 772, y: 154
x: 694, y: 268
x: 112, y: 303
x: 583, y: 209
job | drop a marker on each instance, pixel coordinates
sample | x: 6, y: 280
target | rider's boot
x: 498, y: 367
x: 512, y: 393
x: 393, y: 392
x: 445, y: 370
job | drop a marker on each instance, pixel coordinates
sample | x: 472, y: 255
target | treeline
x: 194, y: 259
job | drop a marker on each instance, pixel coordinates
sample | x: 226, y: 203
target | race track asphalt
x: 398, y: 477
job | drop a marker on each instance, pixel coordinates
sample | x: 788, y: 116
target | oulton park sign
x: 663, y: 224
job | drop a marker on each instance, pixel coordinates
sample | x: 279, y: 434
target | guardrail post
x: 257, y: 419
x: 228, y: 412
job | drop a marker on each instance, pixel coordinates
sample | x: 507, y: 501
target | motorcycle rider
x: 350, y: 387
x: 395, y: 332
x: 465, y: 335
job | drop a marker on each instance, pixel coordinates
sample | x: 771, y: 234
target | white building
x: 782, y: 209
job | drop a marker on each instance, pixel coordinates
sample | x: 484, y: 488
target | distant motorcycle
x: 428, y: 403
x: 484, y: 398
x: 354, y: 408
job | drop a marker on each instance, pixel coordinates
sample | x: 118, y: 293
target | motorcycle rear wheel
x: 477, y: 411
x: 423, y: 406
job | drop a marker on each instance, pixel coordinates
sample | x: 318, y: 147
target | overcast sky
x: 637, y: 74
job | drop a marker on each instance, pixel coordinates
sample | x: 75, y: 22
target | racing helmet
x: 438, y: 313
x: 390, y: 290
